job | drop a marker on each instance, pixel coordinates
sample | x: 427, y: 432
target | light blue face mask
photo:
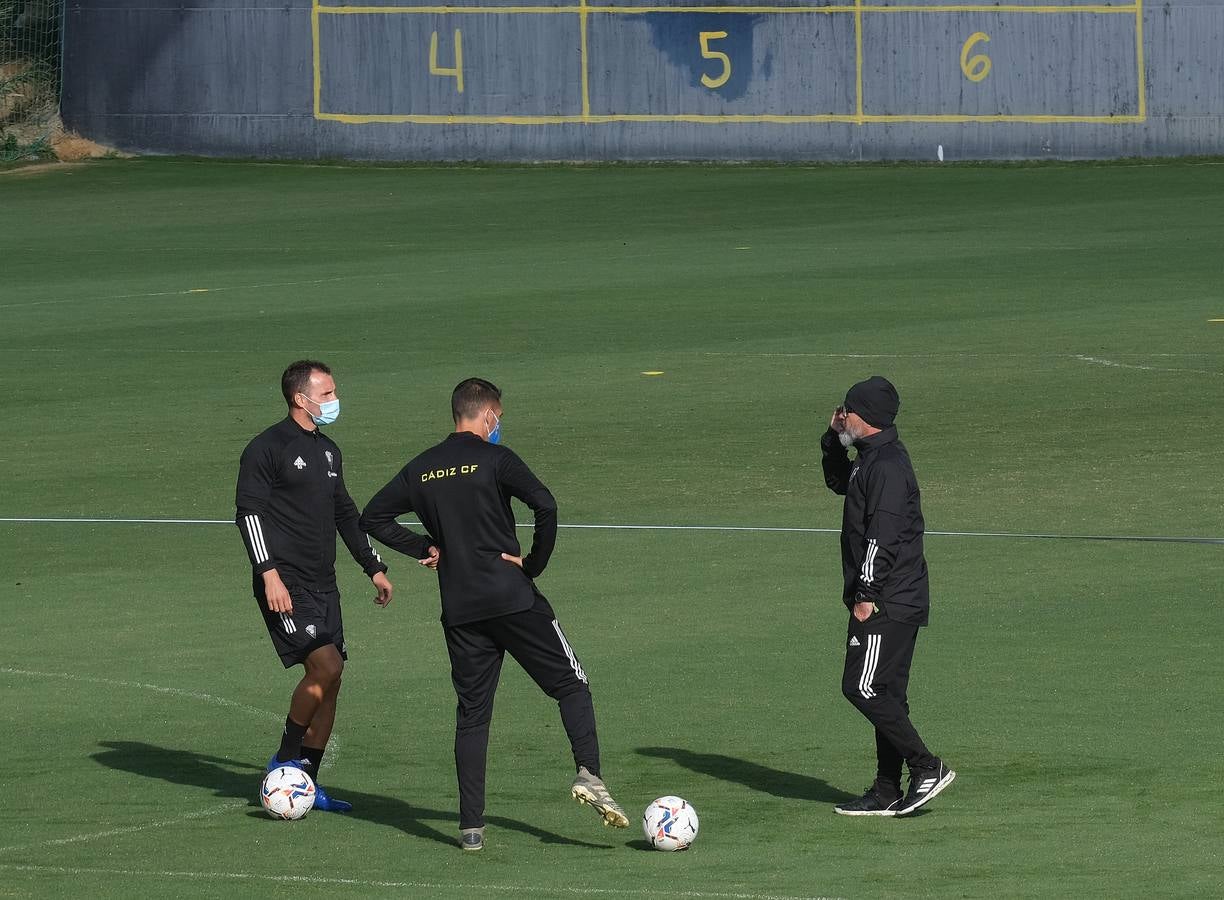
x: 329, y: 411
x: 495, y: 434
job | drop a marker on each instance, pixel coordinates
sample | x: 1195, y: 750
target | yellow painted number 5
x: 976, y: 68
x: 705, y: 37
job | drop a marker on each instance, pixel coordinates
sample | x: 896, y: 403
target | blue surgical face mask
x: 495, y: 434
x: 329, y: 411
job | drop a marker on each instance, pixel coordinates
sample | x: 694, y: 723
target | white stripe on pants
x: 569, y: 653
x: 870, y: 659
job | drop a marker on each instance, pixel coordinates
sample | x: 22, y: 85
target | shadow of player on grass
x: 240, y: 780
x: 790, y: 785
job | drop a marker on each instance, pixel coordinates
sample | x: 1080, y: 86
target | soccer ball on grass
x: 670, y: 823
x: 287, y: 793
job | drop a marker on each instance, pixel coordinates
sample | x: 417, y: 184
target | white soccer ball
x: 287, y: 793
x: 670, y: 823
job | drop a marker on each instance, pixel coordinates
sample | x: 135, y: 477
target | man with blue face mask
x: 291, y: 503
x: 461, y: 489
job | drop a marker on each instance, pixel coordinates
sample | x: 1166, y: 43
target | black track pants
x: 537, y: 643
x: 875, y: 680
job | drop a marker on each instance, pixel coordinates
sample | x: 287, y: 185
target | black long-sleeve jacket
x: 291, y: 502
x: 460, y: 489
x: 882, y: 525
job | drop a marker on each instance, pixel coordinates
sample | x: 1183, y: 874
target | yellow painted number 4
x: 705, y: 37
x: 976, y: 68
x: 456, y: 72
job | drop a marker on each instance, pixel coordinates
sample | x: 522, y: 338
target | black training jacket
x: 461, y: 490
x: 882, y: 526
x: 291, y: 502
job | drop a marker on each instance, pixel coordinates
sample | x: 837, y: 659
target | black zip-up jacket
x: 460, y: 489
x: 291, y: 501
x: 882, y: 525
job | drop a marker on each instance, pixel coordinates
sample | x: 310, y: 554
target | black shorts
x: 314, y: 623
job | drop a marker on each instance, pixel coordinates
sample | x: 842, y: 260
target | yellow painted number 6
x: 976, y: 68
x: 705, y: 37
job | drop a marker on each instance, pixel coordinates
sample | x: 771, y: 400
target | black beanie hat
x: 875, y: 400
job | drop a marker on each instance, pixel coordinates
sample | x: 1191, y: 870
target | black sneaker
x: 872, y: 803
x: 925, y: 785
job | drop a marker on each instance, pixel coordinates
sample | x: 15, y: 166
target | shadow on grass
x: 228, y: 778
x: 790, y: 785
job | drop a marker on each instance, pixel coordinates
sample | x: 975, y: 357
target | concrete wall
x: 817, y: 80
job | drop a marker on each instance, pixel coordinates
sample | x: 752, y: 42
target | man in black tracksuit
x: 461, y: 490
x: 292, y: 502
x: 885, y: 588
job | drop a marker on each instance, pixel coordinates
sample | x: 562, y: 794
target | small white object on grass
x: 939, y: 152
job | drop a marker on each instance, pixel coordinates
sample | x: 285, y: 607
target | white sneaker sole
x: 611, y: 816
x: 874, y: 812
x: 931, y: 795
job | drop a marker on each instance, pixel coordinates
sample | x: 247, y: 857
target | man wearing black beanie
x: 886, y: 591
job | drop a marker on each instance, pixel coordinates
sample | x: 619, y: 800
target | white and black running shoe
x: 925, y: 785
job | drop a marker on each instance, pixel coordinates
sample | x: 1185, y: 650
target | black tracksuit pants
x: 876, y: 677
x: 536, y: 642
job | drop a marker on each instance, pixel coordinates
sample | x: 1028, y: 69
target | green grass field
x: 1047, y: 327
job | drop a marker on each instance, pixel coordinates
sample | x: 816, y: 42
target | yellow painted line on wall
x: 586, y: 79
x: 858, y: 61
x: 460, y: 119
x: 317, y: 51
x: 1139, y: 59
x: 857, y: 9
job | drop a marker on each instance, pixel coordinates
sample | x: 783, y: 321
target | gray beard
x: 846, y: 438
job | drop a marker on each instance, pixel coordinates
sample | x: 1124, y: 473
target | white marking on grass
x: 1096, y: 361
x: 156, y: 688
x: 129, y: 829
x: 776, y: 529
x: 953, y: 355
x: 216, y: 290
x: 419, y: 885
x: 332, y: 750
x: 1114, y: 364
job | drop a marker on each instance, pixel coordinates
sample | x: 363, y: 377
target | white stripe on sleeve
x: 255, y: 533
x: 868, y: 570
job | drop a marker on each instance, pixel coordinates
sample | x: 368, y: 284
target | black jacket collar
x: 291, y: 424
x: 876, y: 441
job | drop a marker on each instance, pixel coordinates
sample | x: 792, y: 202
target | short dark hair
x: 472, y: 395
x: 296, y: 378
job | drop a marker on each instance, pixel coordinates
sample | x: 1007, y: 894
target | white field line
x: 777, y: 529
x: 668, y: 354
x: 156, y: 688
x: 1114, y: 364
x: 332, y: 751
x: 227, y: 806
x: 951, y: 354
x: 419, y: 885
x: 189, y: 292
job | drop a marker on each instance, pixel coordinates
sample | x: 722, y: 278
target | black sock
x: 314, y: 757
x: 291, y: 741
